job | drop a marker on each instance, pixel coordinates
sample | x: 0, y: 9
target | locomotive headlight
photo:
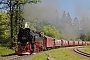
x: 18, y: 42
x: 27, y: 42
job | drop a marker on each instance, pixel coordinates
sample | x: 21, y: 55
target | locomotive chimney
x: 27, y: 25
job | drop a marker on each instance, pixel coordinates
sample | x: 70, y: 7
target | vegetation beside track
x: 58, y: 54
x: 4, y: 51
x: 87, y: 49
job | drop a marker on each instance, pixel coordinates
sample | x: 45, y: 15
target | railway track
x: 23, y: 57
x: 13, y: 57
x: 16, y: 57
x: 81, y: 52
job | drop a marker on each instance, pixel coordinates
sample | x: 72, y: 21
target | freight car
x: 50, y: 43
x: 30, y: 41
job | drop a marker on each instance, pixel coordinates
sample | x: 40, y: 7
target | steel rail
x: 81, y: 52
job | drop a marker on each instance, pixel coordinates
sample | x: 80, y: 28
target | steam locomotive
x: 30, y: 41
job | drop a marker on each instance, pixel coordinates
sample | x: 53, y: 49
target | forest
x: 66, y: 29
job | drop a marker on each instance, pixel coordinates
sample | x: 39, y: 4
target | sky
x: 51, y: 10
x: 76, y: 8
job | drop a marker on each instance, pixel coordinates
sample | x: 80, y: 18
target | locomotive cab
x: 38, y: 46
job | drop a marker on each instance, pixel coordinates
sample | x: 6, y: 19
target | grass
x: 40, y: 57
x: 58, y: 54
x: 87, y: 49
x: 5, y: 52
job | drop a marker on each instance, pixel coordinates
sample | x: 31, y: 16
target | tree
x: 69, y: 20
x: 85, y: 36
x: 66, y: 26
x: 63, y: 19
x: 76, y: 23
x: 4, y: 28
x: 85, y: 23
x: 76, y: 26
x: 33, y: 24
x: 14, y: 8
x: 40, y: 25
x: 51, y: 31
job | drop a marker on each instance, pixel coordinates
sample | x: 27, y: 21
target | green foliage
x: 40, y: 25
x: 35, y: 1
x: 15, y: 15
x: 51, y: 31
x: 30, y: 1
x: 63, y: 36
x: 37, y: 25
x: 4, y: 51
x: 45, y: 28
x: 4, y: 28
x: 33, y: 24
x: 85, y: 37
